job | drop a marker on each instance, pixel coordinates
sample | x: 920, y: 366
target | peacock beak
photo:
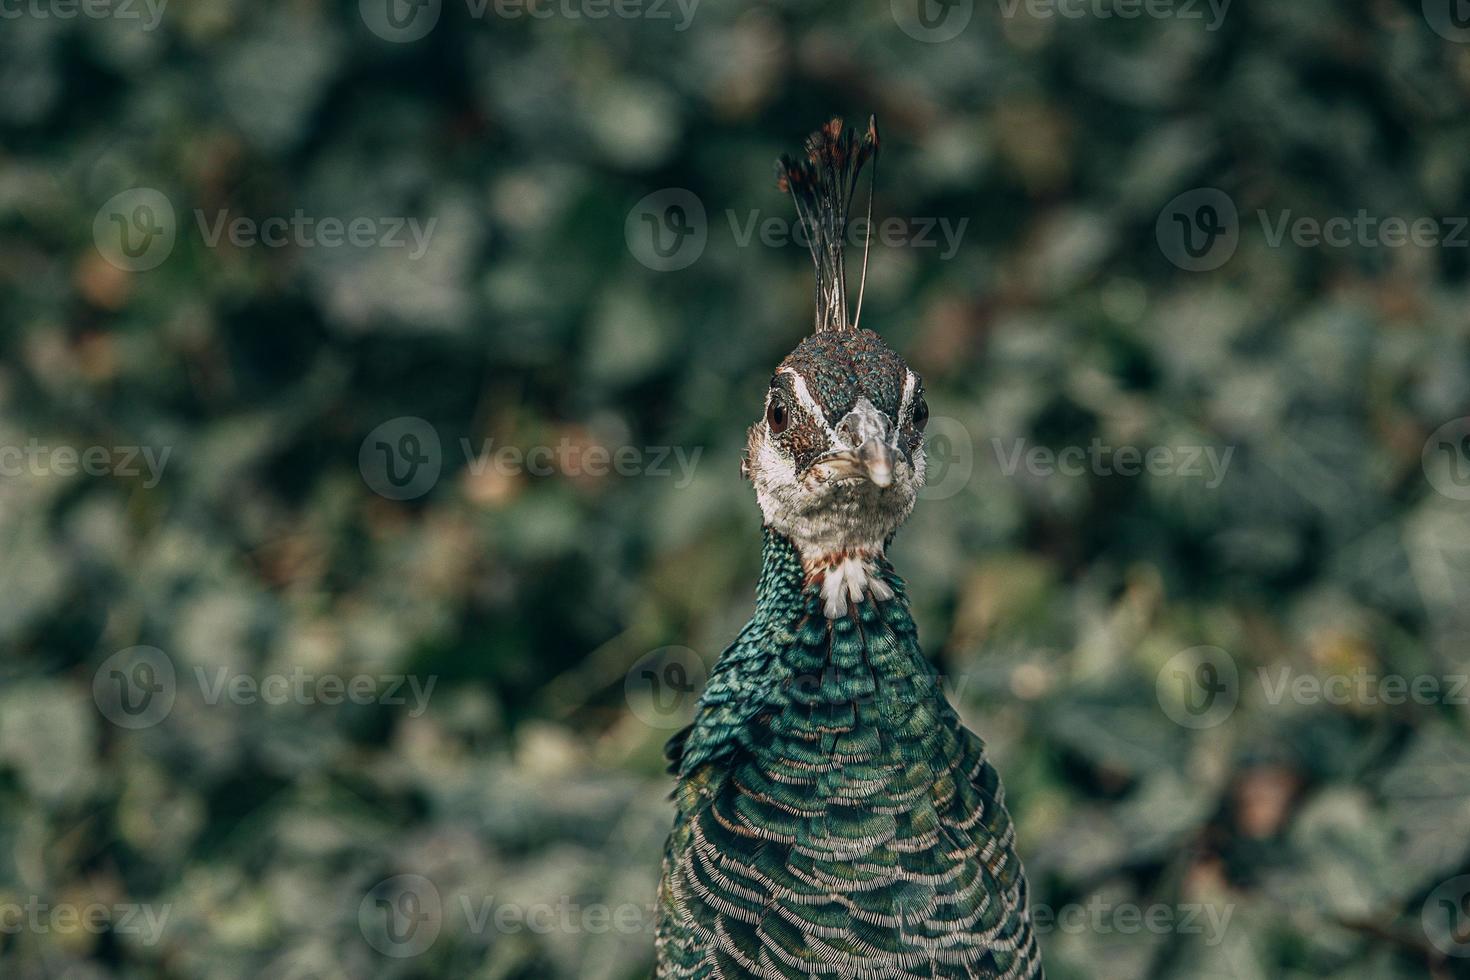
x: 865, y: 447
x: 877, y: 460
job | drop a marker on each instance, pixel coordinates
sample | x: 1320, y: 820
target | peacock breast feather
x: 834, y: 818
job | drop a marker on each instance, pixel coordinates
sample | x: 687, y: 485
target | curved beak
x: 866, y: 446
x: 877, y: 459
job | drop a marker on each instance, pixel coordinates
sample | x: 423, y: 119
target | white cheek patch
x: 773, y: 473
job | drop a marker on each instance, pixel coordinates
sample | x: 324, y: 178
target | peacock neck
x: 792, y: 652
x: 872, y: 636
x: 842, y: 577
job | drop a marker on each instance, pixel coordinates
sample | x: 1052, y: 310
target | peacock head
x: 837, y: 458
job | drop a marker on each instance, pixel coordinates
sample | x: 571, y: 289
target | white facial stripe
x: 807, y: 401
x: 909, y: 384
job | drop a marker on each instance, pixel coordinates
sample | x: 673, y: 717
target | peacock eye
x: 921, y: 414
x: 776, y: 415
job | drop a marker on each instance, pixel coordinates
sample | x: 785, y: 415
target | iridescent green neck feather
x: 834, y: 818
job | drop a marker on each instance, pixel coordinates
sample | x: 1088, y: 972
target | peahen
x: 834, y: 819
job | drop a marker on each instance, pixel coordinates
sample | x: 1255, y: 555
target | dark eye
x: 776, y: 415
x: 921, y: 414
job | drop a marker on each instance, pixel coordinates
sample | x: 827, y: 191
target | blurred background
x: 373, y: 379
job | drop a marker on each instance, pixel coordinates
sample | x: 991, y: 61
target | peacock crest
x: 822, y: 185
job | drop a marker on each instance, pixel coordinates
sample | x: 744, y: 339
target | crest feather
x: 822, y: 185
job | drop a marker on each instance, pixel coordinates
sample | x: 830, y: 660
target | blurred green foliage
x: 1054, y: 602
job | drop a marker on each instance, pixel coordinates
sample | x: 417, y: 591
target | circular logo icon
x: 401, y: 458
x: 949, y: 455
x: 135, y: 230
x: 667, y: 230
x: 932, y: 21
x: 1446, y: 917
x: 1446, y: 459
x: 135, y: 688
x: 401, y: 916
x: 1199, y: 687
x: 663, y: 687
x: 1450, y: 19
x: 400, y: 21
x: 1199, y: 230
